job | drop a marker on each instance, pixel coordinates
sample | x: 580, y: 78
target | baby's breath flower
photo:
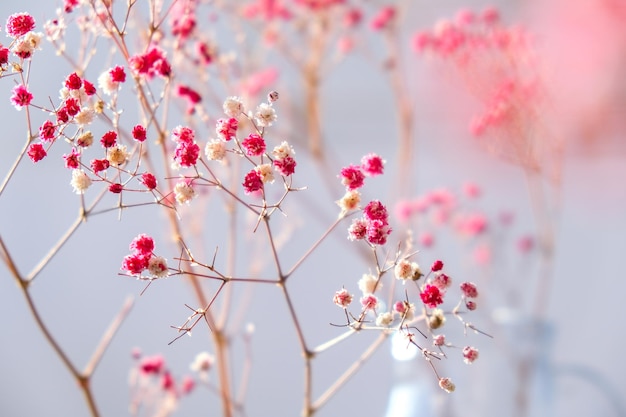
x: 350, y: 201
x: 265, y: 115
x: 384, y: 319
x: 157, y: 267
x: 266, y: 172
x: 80, y: 181
x: 117, y: 154
x: 367, y: 284
x: 215, y: 150
x: 184, y: 192
x: 447, y: 385
x: 85, y: 116
x: 233, y: 106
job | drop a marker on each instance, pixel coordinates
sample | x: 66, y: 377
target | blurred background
x: 570, y: 353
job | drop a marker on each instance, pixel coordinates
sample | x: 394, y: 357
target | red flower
x: 252, y: 182
x: 148, y: 180
x: 73, y: 82
x: 19, y: 24
x: 139, y: 133
x: 36, y: 152
x: 431, y: 296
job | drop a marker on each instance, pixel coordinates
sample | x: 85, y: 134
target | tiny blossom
x: 148, y: 180
x: 187, y: 385
x: 183, y: 134
x: 470, y: 305
x: 285, y: 166
x: 62, y: 116
x: 233, y: 106
x: 202, y: 362
x: 106, y: 83
x: 252, y: 182
x: 469, y: 289
x: 23, y: 48
x: 431, y: 296
x: 73, y: 82
x: 80, y: 181
x: 436, y: 319
x: 72, y: 106
x: 470, y: 354
x: 151, y: 63
x: 377, y: 232
x: 4, y: 55
x: 152, y: 364
x: 21, y: 96
x: 384, y: 319
x: 405, y: 309
x: 109, y: 139
x: 72, y: 161
x: 447, y: 385
x: 36, y: 152
x: 85, y: 139
x: 352, y: 177
x: 117, y: 155
x: 215, y: 150
x: 403, y: 269
x: 357, y: 229
x: 372, y: 165
x: 134, y: 264
x: 226, y: 129
x: 116, y: 188
x: 436, y: 266
x: 265, y: 115
x: 375, y: 210
x: 47, y: 131
x: 272, y: 96
x: 117, y: 74
x: 266, y: 173
x: 384, y: 18
x: 192, y: 95
x: 283, y: 151
x: 254, y: 145
x: 350, y: 201
x: 439, y: 340
x: 157, y: 267
x: 184, y: 192
x: 442, y: 281
x: 89, y: 88
x: 19, y: 24
x: 186, y: 153
x: 142, y: 244
x: 367, y: 284
x: 98, y: 165
x: 342, y: 298
x: 85, y: 116
x: 139, y: 133
x: 369, y: 301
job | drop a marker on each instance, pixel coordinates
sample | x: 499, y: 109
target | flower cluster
x: 142, y: 258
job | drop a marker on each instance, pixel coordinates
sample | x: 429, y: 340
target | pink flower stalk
x: 352, y: 177
x: 36, y: 152
x: 151, y: 63
x: 21, y: 97
x: 253, y: 145
x: 19, y: 24
x: 431, y: 296
x: 152, y: 364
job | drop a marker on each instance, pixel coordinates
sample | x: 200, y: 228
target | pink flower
x: 21, y: 96
x: 72, y: 106
x: 226, y: 129
x: 116, y: 188
x: 183, y: 134
x: 142, y: 245
x: 342, y: 298
x: 384, y: 18
x: 375, y: 210
x: 19, y: 24
x: 4, y: 55
x: 186, y: 153
x: 252, y: 182
x: 109, y: 139
x: 98, y: 165
x: 442, y: 281
x: 285, y: 166
x: 369, y: 302
x: 469, y: 289
x: 352, y: 177
x: 148, y: 180
x: 72, y: 161
x: 437, y: 266
x: 152, y: 364
x: 117, y: 74
x: 139, y: 133
x: 73, y: 82
x: 377, y: 232
x: 254, y: 145
x: 358, y: 229
x: 431, y: 296
x: 89, y: 88
x: 36, y: 152
x: 47, y: 131
x: 470, y: 354
x: 134, y: 264
x: 372, y: 165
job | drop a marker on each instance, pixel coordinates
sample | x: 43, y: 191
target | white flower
x: 80, y: 181
x: 117, y: 154
x: 184, y: 192
x: 267, y: 173
x: 233, y: 106
x: 384, y: 319
x: 283, y: 151
x: 215, y: 150
x: 350, y: 201
x: 265, y: 115
x: 367, y: 284
x: 157, y: 267
x: 202, y: 362
x: 106, y: 83
x: 85, y: 116
x: 447, y: 385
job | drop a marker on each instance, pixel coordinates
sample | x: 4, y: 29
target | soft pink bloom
x: 470, y: 354
x: 252, y: 182
x: 47, y: 131
x: 377, y: 232
x: 183, y: 134
x: 36, y: 152
x: 372, y: 165
x: 19, y: 24
x: 285, y: 166
x: 352, y: 177
x: 21, y: 96
x: 152, y: 364
x: 342, y: 298
x: 72, y: 106
x: 369, y: 302
x: 226, y: 129
x: 357, y: 229
x: 142, y: 245
x: 72, y: 161
x: 384, y: 18
x: 431, y: 296
x: 469, y: 289
x: 186, y: 153
x: 134, y: 264
x: 441, y: 281
x: 375, y: 210
x: 253, y: 145
x: 148, y: 180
